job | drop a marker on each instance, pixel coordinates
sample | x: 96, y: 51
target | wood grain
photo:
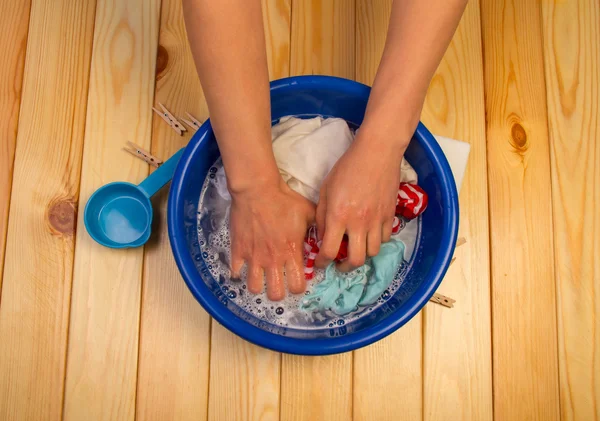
x: 322, y: 43
x: 323, y: 37
x: 394, y: 363
x: 316, y: 388
x: 105, y: 305
x: 457, y: 342
x: 372, y: 19
x: 572, y: 63
x: 39, y: 249
x: 245, y: 379
x: 14, y: 21
x: 525, y: 356
x: 277, y: 15
x: 47, y: 48
x: 174, y: 329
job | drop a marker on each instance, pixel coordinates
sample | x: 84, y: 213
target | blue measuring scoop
x: 119, y: 215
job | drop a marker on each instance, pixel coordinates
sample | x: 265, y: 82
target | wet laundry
x: 305, y: 151
x: 343, y: 293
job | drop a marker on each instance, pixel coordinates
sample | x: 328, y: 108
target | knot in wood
x: 62, y: 217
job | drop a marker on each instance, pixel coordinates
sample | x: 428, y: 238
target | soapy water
x: 215, y: 243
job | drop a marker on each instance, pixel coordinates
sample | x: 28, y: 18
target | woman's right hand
x: 268, y: 224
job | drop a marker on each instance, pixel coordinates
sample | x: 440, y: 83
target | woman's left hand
x: 358, y: 198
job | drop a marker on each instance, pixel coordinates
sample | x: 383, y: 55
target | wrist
x: 385, y: 139
x: 251, y: 178
x: 398, y: 124
x: 394, y: 114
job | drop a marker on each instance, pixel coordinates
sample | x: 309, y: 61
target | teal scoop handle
x: 161, y: 176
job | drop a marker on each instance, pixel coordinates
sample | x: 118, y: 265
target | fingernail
x: 275, y: 295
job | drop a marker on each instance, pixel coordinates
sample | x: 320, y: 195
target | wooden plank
x: 523, y: 289
x: 103, y: 342
x: 245, y: 379
x: 394, y: 363
x: 457, y: 343
x: 39, y: 249
x: 323, y: 43
x: 372, y: 19
x: 316, y: 388
x: 277, y: 15
x: 323, y: 37
x: 572, y: 63
x: 174, y: 329
x: 14, y: 21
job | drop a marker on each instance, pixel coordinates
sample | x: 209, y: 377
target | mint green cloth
x: 385, y: 265
x: 343, y: 293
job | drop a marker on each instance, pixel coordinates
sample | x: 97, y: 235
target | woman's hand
x: 358, y: 198
x: 268, y: 226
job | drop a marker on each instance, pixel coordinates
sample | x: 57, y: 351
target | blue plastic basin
x: 333, y: 97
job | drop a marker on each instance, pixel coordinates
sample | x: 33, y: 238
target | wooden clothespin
x: 442, y: 299
x: 192, y: 122
x: 170, y: 119
x: 143, y: 154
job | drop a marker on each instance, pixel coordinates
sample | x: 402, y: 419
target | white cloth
x: 457, y: 154
x: 306, y: 149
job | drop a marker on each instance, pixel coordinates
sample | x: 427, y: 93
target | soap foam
x: 215, y: 243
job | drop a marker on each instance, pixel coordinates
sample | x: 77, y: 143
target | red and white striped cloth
x: 396, y: 225
x: 410, y: 203
x: 311, y: 249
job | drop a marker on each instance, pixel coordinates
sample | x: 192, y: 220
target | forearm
x: 227, y: 42
x: 419, y: 34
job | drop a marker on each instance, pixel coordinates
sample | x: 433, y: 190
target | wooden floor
x: 88, y: 333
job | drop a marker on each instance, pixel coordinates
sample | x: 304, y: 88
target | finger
x: 236, y: 266
x: 386, y: 230
x: 310, y: 213
x: 345, y: 266
x: 255, y: 278
x: 357, y: 243
x: 294, y: 274
x: 321, y: 213
x: 331, y: 244
x: 275, y: 286
x: 237, y: 261
x: 374, y: 241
